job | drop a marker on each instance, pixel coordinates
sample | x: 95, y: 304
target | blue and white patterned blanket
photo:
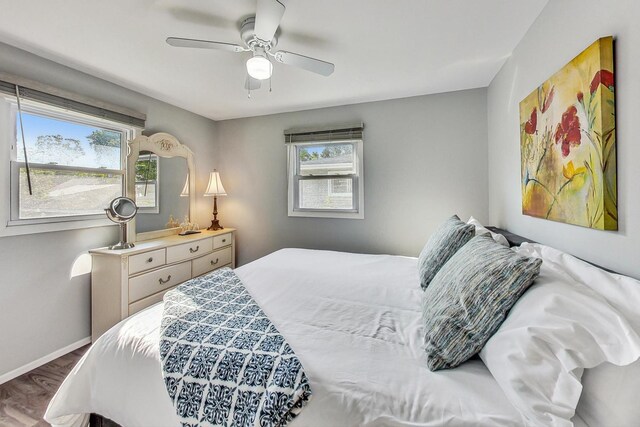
x: 224, y: 363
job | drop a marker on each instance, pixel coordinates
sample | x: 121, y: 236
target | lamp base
x: 215, y: 225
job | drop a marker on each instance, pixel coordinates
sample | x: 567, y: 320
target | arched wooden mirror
x: 161, y: 180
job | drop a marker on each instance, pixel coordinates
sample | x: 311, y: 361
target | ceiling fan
x: 258, y: 34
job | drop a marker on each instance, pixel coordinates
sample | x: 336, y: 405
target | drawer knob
x: 224, y: 240
x: 162, y: 282
x: 215, y: 262
x: 194, y: 250
x: 150, y: 259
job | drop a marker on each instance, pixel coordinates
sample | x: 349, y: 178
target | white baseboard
x: 45, y: 359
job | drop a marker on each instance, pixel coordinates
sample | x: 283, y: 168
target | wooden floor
x: 24, y: 399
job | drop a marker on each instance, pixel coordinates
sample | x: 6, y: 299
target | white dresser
x: 124, y: 282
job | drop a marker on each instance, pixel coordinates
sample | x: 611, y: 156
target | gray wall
x: 43, y: 309
x: 563, y: 29
x: 424, y: 159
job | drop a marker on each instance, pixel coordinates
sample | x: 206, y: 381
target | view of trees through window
x: 327, y: 151
x: 57, y: 142
x: 75, y: 168
x: 147, y: 180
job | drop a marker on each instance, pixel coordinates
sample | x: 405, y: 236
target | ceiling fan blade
x: 204, y: 44
x: 268, y: 16
x: 251, y: 84
x: 310, y: 64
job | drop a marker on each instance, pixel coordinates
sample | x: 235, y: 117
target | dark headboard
x: 513, y: 239
x: 516, y: 240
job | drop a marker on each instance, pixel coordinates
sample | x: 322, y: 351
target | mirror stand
x: 122, y: 244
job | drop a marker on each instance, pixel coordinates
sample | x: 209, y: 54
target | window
x: 147, y: 185
x: 76, y: 165
x: 325, y: 177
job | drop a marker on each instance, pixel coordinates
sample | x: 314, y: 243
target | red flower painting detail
x: 603, y: 77
x: 531, y: 125
x: 548, y: 100
x: 568, y: 130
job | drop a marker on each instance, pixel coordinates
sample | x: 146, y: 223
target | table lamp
x: 215, y: 189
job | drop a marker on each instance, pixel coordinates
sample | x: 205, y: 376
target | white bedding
x: 353, y: 320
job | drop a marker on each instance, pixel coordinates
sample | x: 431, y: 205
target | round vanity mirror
x: 121, y: 210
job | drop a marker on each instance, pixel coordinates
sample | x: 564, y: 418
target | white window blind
x: 71, y: 102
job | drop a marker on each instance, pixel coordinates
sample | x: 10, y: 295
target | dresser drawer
x: 146, y: 302
x: 146, y: 261
x: 155, y: 281
x: 189, y: 250
x: 210, y: 262
x: 221, y: 241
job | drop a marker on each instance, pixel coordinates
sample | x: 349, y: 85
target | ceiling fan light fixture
x: 259, y: 67
x: 259, y: 35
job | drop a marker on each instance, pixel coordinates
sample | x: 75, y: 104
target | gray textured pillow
x: 470, y: 297
x: 443, y: 243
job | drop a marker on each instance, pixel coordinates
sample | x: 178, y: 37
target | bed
x: 356, y: 327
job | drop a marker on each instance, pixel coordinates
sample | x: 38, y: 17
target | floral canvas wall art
x: 568, y: 143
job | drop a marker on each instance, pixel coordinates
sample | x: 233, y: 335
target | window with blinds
x: 325, y: 173
x: 76, y: 167
x: 66, y: 159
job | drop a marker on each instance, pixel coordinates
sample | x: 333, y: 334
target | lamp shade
x: 215, y: 187
x: 185, y: 190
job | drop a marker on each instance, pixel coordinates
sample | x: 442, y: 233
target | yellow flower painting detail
x: 568, y: 143
x: 569, y: 171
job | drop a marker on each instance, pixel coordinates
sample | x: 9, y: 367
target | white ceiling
x: 382, y: 49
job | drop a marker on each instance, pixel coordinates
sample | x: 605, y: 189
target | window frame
x: 294, y: 177
x: 10, y: 224
x: 14, y: 217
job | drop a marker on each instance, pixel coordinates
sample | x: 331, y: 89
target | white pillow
x: 559, y: 327
x: 481, y: 230
x: 609, y: 395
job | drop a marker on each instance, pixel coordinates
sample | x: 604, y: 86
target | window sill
x: 155, y: 210
x: 24, y: 229
x: 324, y: 214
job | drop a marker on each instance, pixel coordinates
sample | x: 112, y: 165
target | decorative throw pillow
x: 443, y: 243
x: 470, y: 297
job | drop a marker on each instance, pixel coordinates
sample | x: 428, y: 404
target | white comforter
x: 352, y: 319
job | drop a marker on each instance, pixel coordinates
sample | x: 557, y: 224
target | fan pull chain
x: 269, y: 84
